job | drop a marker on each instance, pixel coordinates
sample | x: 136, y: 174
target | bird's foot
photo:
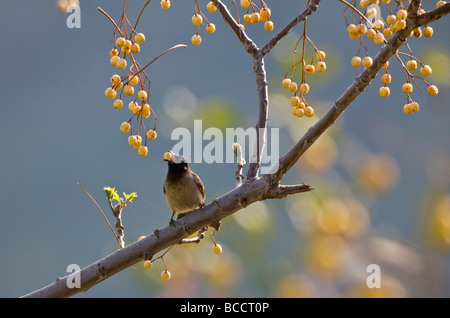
x: 172, y: 221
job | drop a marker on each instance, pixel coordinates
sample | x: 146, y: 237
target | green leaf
x: 111, y: 193
x: 130, y: 197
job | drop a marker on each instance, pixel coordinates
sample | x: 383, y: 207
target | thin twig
x: 106, y: 219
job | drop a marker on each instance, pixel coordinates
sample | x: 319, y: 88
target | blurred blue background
x: 58, y: 128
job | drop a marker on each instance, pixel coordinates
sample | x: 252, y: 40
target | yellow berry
x: 113, y: 52
x: 118, y: 104
x: 138, y: 142
x: 432, y: 90
x: 217, y: 249
x: 356, y: 61
x: 304, y: 88
x: 128, y: 90
x: 364, y: 4
x: 302, y: 105
x: 362, y: 29
x: 110, y: 93
x: 137, y: 110
x: 132, y: 140
x: 321, y: 55
x: 148, y: 264
x: 142, y: 151
x: 167, y: 155
x: 426, y: 70
x: 367, y: 61
x: 165, y: 275
x: 378, y: 38
x: 121, y: 64
x: 384, y: 91
x: 255, y: 17
x: 407, y: 109
x: 400, y: 25
x: 440, y: 3
x: 378, y: 25
x: 245, y: 3
x: 165, y: 4
x: 114, y: 60
x: 139, y: 38
x: 292, y: 86
x: 133, y: 80
x: 387, y: 32
x: 135, y: 48
x: 401, y: 14
x: 407, y: 88
x: 211, y: 7
x: 264, y: 14
x: 390, y: 19
x: 321, y: 67
x: 196, y: 39
x: 142, y: 95
x: 132, y: 105
x: 247, y: 19
x: 126, y: 50
x: 151, y: 134
x: 125, y: 127
x: 115, y: 79
x: 210, y: 28
x: 351, y: 28
x: 370, y: 34
x: 197, y: 19
x: 145, y: 110
x: 417, y: 32
x: 386, y: 65
x: 309, y: 111
x: 141, y: 237
x: 299, y: 112
x: 268, y: 26
x: 242, y: 27
x: 120, y: 42
x: 411, y: 65
x: 386, y: 78
x: 295, y: 101
x: 286, y: 82
x: 310, y: 69
x: 428, y: 32
x: 414, y: 107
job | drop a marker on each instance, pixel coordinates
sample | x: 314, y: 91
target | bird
x: 184, y: 190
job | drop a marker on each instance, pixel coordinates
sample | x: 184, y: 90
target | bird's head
x: 176, y: 161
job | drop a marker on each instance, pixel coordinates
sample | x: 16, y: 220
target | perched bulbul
x: 183, y: 188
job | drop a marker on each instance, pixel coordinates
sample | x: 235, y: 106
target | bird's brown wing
x: 200, y: 185
x: 164, y: 188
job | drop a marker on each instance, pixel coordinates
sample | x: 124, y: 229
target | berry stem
x: 110, y: 19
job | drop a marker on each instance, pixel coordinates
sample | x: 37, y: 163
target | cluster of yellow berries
x: 165, y: 275
x: 378, y: 32
x: 139, y: 107
x: 197, y: 19
x: 299, y: 105
x: 258, y: 15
